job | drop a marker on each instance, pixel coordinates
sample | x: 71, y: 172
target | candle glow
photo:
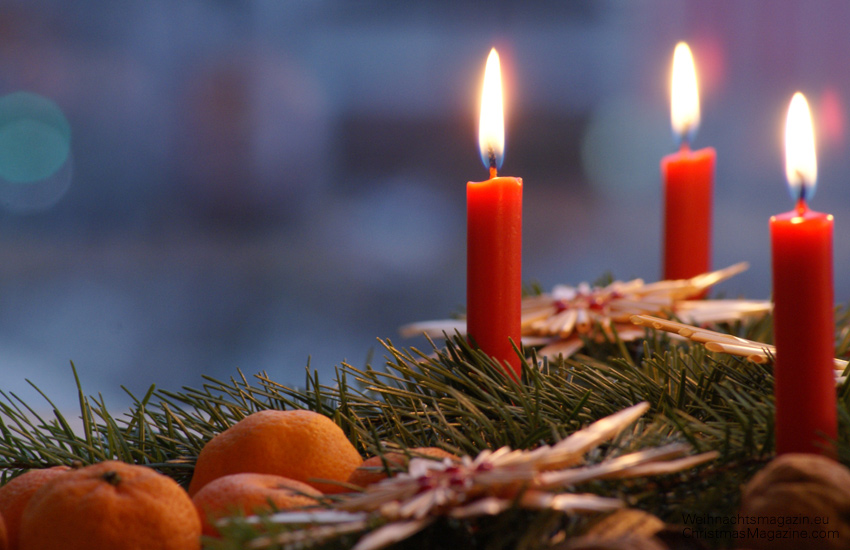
x: 491, y: 123
x: 684, y: 104
x: 688, y: 179
x: 494, y: 239
x: 801, y: 165
x: 803, y: 303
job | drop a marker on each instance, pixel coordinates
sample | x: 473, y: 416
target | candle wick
x: 801, y: 193
x: 683, y: 138
x: 491, y: 154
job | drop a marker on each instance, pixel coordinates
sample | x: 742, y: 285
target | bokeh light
x: 35, y: 152
x: 35, y: 137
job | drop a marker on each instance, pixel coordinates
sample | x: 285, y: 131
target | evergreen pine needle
x: 457, y: 398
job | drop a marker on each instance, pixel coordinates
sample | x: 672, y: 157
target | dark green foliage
x: 459, y: 399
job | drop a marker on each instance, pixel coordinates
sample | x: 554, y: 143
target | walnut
x: 625, y: 529
x: 627, y: 521
x: 797, y: 501
x: 675, y: 537
x: 634, y: 542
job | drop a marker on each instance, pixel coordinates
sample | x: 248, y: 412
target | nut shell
x: 626, y: 529
x: 636, y: 542
x: 625, y: 522
x: 810, y: 487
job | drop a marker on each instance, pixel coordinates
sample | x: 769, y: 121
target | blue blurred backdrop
x: 198, y: 186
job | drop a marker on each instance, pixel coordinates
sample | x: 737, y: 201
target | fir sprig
x: 459, y: 399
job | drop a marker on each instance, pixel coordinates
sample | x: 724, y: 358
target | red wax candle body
x: 688, y: 182
x: 806, y: 417
x: 494, y: 267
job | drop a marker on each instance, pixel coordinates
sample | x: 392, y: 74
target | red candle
x: 801, y: 243
x: 494, y: 238
x: 688, y: 180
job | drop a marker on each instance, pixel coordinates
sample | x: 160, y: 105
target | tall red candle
x: 804, y: 324
x: 688, y: 180
x: 494, y: 238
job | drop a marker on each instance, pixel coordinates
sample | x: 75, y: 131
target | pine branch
x: 456, y: 398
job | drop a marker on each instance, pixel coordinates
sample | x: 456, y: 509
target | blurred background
x: 193, y: 187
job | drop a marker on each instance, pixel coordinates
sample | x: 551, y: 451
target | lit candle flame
x: 491, y: 124
x: 684, y: 104
x: 801, y: 164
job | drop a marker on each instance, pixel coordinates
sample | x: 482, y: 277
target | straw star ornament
x: 719, y: 342
x: 491, y: 483
x: 561, y: 320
